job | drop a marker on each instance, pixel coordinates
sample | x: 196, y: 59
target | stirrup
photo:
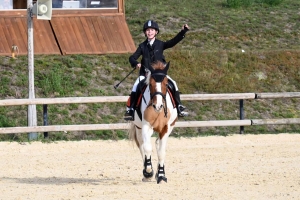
x: 183, y: 114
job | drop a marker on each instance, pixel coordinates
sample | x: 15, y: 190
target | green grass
x: 209, y: 60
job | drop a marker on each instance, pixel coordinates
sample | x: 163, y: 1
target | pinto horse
x: 157, y: 113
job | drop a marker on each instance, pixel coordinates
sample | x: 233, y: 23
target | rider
x: 151, y: 51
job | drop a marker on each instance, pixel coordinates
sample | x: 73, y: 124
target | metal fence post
x: 241, y: 115
x: 45, y: 118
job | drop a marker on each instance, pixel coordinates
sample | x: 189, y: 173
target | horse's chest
x: 157, y: 119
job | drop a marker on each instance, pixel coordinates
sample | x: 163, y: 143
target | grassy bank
x: 209, y: 60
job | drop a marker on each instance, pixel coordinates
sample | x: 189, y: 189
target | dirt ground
x: 232, y: 167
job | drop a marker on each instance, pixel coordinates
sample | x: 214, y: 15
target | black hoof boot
x: 147, y: 174
x: 147, y: 163
x: 161, y: 178
x: 160, y: 175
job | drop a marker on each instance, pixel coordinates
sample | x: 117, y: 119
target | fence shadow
x: 58, y: 180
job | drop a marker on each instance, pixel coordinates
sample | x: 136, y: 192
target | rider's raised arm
x: 171, y: 43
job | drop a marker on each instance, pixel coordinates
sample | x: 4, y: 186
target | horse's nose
x: 157, y: 107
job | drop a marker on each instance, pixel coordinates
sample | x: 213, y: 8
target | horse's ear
x: 167, y: 68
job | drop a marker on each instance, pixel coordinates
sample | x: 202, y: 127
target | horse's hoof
x: 147, y: 174
x: 161, y: 179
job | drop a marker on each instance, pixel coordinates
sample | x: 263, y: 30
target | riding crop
x: 116, y: 86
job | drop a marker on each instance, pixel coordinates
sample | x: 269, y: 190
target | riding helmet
x: 151, y: 24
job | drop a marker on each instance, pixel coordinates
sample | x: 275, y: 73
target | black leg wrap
x: 161, y: 170
x: 147, y: 163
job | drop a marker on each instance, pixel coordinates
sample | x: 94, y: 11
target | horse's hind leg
x: 139, y: 141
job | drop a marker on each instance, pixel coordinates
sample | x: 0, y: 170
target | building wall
x: 82, y: 31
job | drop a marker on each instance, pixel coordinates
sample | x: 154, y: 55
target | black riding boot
x: 180, y: 107
x: 131, y: 108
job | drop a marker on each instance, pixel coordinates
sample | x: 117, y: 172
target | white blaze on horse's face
x: 159, y: 99
x: 158, y: 89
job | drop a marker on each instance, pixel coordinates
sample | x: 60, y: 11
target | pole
x: 242, y: 115
x: 32, y: 117
x: 45, y: 118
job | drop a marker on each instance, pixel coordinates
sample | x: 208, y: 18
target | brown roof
x: 68, y: 32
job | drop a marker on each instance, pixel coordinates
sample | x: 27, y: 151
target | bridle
x: 159, y: 77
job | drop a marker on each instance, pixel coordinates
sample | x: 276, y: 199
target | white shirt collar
x: 151, y: 41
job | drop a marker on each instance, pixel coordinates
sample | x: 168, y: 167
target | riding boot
x: 180, y: 107
x: 131, y: 105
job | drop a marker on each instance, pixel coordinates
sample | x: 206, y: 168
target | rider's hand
x: 185, y: 27
x: 138, y: 65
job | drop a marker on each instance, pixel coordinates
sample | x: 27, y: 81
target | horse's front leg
x: 160, y: 175
x: 147, y: 132
x: 161, y: 144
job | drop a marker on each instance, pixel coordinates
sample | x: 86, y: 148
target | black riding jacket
x: 151, y: 54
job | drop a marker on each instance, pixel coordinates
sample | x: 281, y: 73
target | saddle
x: 141, y: 90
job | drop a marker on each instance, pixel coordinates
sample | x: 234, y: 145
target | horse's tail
x: 132, y: 134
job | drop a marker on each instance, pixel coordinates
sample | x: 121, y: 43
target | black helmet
x: 151, y: 24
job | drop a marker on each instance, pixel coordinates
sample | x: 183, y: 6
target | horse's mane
x: 156, y: 66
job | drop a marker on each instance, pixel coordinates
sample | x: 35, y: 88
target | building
x: 76, y: 27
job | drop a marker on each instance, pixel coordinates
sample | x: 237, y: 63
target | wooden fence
x: 188, y: 97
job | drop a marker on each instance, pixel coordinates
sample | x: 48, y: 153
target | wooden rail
x: 187, y: 97
x: 124, y: 126
x: 102, y: 99
x: 89, y: 127
x: 184, y: 97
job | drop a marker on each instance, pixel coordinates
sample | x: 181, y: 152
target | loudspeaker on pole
x: 42, y: 9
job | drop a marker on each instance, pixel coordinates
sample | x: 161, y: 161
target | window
x: 75, y: 4
x: 6, y: 4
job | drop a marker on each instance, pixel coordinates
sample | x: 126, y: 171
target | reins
x: 164, y: 100
x: 161, y: 94
x: 158, y: 74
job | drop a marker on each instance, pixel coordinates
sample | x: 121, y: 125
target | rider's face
x: 150, y: 33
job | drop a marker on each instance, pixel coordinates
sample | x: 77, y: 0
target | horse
x: 158, y: 113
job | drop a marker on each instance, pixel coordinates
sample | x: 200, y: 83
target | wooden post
x: 32, y: 117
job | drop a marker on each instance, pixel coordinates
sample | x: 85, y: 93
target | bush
x: 234, y: 3
x: 247, y: 3
x: 273, y: 2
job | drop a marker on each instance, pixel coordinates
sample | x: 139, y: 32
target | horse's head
x: 158, y: 83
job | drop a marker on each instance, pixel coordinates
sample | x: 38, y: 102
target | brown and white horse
x: 157, y: 114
